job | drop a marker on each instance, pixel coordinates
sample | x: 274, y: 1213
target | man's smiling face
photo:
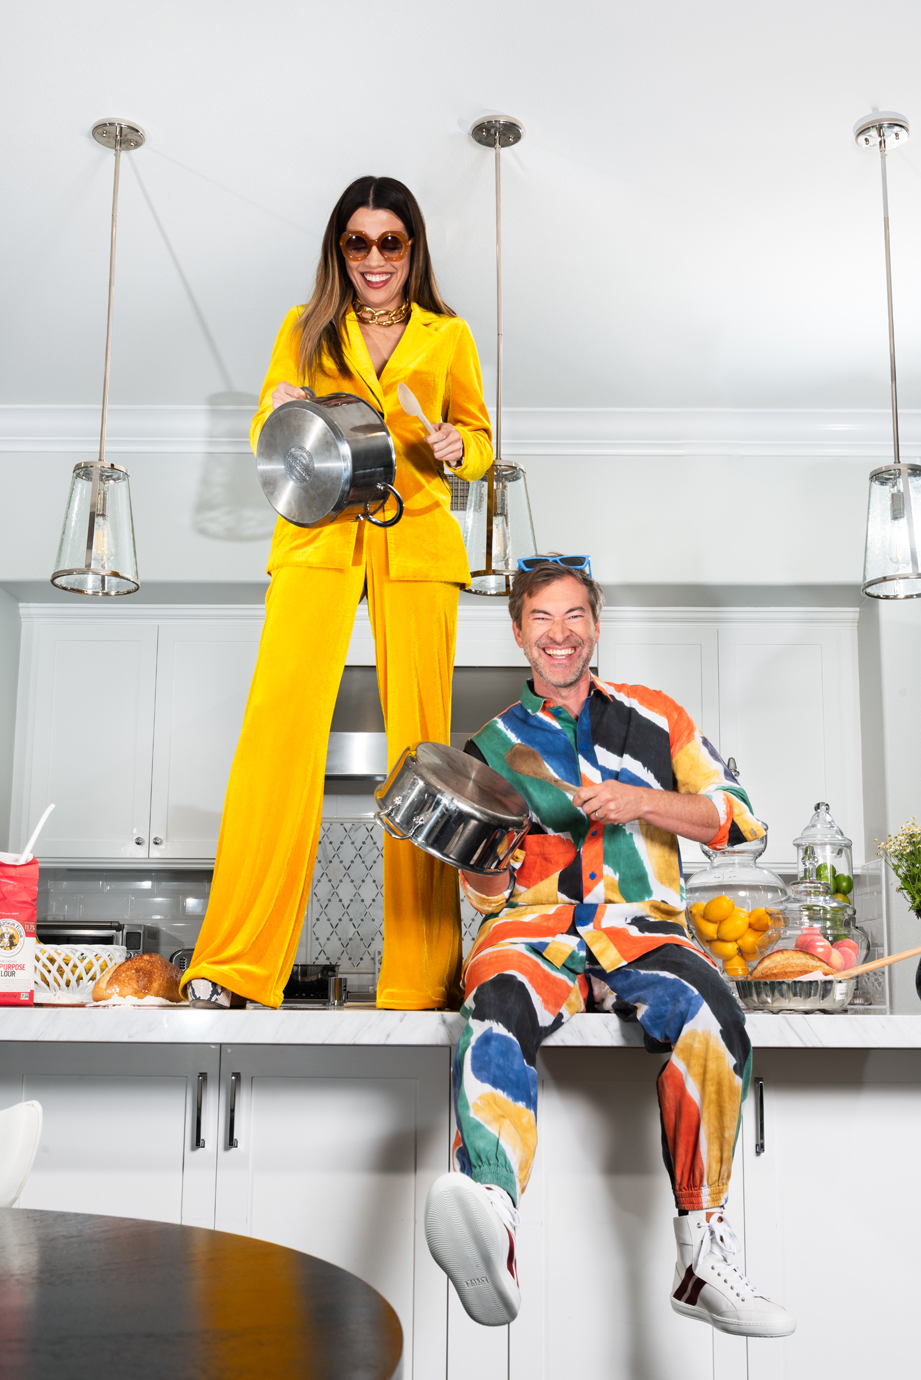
x: 558, y: 634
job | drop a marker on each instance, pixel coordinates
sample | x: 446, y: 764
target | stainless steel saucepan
x: 453, y: 806
x: 319, y: 457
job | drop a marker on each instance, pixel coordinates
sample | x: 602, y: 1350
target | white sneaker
x: 707, y: 1286
x: 470, y: 1229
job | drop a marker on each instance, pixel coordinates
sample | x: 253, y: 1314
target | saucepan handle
x: 389, y: 827
x: 389, y: 522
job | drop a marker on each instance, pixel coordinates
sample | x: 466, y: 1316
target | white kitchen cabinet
x: 597, y: 1247
x: 775, y: 689
x: 825, y: 1232
x: 84, y: 733
x: 790, y: 715
x: 204, y: 671
x: 335, y: 1151
x: 120, y: 1127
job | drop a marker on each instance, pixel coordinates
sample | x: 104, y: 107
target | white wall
x: 10, y: 629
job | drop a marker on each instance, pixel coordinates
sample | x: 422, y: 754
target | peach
x: 817, y: 945
x: 810, y: 932
x: 835, y: 959
x: 848, y: 951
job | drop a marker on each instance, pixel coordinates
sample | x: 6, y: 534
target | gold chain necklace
x: 380, y: 318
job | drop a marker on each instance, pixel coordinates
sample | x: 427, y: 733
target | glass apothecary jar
x: 733, y: 906
x: 822, y: 924
x: 825, y: 845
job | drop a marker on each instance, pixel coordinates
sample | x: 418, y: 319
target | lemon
x: 698, y: 908
x: 735, y: 968
x: 721, y: 948
x: 749, y: 941
x: 720, y: 908
x: 704, y: 929
x: 734, y: 927
x: 760, y: 919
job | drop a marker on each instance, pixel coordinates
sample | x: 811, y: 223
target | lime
x: 844, y: 883
x: 825, y: 872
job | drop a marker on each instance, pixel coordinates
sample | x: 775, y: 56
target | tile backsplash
x: 344, y: 917
x: 343, y: 922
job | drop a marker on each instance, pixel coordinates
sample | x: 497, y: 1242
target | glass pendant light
x: 891, y: 569
x: 498, y: 528
x: 96, y: 554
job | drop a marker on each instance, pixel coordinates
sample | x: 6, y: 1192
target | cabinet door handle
x: 199, y: 1099
x: 158, y: 842
x: 759, y: 1117
x: 232, y: 1142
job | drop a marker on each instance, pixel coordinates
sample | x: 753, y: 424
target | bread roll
x: 144, y: 975
x: 784, y: 964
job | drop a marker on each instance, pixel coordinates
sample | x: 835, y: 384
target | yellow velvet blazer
x: 437, y: 359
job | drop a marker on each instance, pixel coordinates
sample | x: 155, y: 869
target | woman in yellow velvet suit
x: 376, y: 318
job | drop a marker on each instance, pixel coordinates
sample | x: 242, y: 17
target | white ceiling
x: 687, y: 222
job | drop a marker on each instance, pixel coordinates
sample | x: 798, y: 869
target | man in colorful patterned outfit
x: 590, y: 915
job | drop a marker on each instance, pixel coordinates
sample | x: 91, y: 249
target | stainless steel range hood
x: 357, y: 741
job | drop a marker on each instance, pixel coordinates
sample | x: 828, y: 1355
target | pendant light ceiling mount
x: 499, y: 129
x: 884, y: 123
x: 96, y: 553
x: 106, y: 132
x: 891, y: 565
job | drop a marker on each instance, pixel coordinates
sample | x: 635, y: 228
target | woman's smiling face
x: 378, y: 282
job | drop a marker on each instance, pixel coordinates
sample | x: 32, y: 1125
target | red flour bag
x: 18, y: 893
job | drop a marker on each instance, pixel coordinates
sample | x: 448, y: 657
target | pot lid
x: 822, y: 829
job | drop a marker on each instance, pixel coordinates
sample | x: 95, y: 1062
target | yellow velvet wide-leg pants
x: 272, y: 810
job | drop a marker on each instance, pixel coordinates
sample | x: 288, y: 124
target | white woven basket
x: 65, y: 974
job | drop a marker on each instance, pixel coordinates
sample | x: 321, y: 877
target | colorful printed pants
x: 683, y: 1005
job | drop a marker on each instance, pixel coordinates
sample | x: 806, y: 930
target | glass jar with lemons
x: 733, y: 906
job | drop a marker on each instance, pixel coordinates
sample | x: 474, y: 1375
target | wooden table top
x: 89, y: 1296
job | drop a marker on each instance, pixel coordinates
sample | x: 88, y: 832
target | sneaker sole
x: 735, y: 1328
x: 460, y: 1229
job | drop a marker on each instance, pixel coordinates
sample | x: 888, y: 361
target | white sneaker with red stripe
x: 470, y: 1229
x: 709, y: 1287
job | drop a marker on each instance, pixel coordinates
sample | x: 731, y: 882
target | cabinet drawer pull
x: 157, y: 842
x: 199, y: 1099
x: 232, y: 1142
x: 140, y: 842
x: 759, y: 1117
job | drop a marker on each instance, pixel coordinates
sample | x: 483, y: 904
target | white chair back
x: 20, y: 1131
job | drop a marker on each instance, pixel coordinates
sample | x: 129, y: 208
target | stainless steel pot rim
x: 500, y: 803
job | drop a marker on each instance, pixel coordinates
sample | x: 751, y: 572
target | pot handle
x: 390, y: 522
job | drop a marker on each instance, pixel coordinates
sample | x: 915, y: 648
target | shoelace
x: 721, y: 1240
x: 505, y: 1208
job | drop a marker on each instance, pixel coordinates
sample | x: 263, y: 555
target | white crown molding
x: 493, y: 618
x: 600, y: 431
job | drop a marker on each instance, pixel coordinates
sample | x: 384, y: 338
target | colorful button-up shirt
x: 613, y: 876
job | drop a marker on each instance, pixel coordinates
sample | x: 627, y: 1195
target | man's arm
x: 609, y: 802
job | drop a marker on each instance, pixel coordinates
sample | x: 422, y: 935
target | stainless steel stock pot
x: 319, y: 457
x: 453, y: 806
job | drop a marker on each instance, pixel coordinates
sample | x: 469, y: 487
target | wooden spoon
x: 878, y: 963
x: 527, y: 761
x: 410, y: 405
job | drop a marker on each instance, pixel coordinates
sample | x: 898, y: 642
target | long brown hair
x: 321, y: 321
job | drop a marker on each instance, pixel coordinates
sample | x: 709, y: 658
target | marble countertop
x: 124, y: 1025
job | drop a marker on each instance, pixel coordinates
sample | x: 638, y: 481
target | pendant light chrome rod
x: 498, y: 447
x: 903, y: 471
x: 108, y: 357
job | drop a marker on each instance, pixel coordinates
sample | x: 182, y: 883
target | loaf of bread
x: 144, y: 975
x: 785, y: 964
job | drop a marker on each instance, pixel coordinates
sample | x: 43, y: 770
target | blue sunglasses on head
x: 568, y: 562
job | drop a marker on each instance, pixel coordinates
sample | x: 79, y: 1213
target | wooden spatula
x: 410, y: 405
x: 528, y: 762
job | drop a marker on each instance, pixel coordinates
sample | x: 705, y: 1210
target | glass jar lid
x: 822, y: 829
